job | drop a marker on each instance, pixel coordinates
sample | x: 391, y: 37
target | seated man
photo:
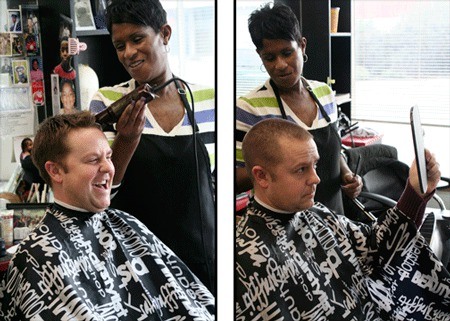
x: 296, y: 260
x: 86, y: 262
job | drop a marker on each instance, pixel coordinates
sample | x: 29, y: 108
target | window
x: 248, y: 64
x: 192, y: 45
x: 401, y: 58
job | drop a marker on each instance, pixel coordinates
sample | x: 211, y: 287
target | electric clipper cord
x: 112, y: 114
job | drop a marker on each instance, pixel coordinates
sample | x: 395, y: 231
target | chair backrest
x: 381, y: 171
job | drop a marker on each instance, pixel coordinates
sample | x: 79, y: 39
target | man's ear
x: 166, y: 33
x: 54, y: 170
x: 262, y: 177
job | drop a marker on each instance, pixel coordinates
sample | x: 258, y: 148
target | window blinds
x: 401, y: 57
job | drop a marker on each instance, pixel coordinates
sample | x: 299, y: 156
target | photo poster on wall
x: 32, y: 47
x: 14, y: 67
x: 15, y: 20
x: 20, y: 72
x: 5, y: 44
x: 20, y: 56
x: 22, y: 102
x: 84, y: 18
x: 64, y: 73
x: 55, y: 93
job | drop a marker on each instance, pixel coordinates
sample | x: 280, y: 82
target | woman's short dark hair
x: 24, y: 142
x: 139, y: 12
x: 273, y: 21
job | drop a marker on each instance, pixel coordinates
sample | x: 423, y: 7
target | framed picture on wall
x: 5, y: 72
x: 17, y: 45
x: 15, y: 21
x: 5, y: 44
x: 54, y: 78
x: 20, y: 72
x: 84, y: 19
x: 30, y: 20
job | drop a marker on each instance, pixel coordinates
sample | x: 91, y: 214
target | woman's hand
x: 433, y: 174
x: 352, y: 185
x: 131, y: 123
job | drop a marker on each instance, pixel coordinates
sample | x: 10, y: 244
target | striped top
x: 261, y: 103
x: 204, y: 111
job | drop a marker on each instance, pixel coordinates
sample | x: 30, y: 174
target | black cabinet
x: 329, y: 54
x: 100, y: 54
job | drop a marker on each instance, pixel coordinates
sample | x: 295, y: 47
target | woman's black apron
x: 170, y: 191
x: 328, y: 143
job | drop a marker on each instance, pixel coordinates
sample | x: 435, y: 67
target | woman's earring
x: 305, y: 58
x: 167, y: 48
x: 262, y: 68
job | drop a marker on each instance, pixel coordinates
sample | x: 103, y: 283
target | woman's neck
x: 160, y: 80
x: 297, y: 89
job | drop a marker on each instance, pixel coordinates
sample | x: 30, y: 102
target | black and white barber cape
x: 315, y: 265
x: 104, y: 266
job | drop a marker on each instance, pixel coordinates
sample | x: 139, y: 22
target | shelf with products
x: 340, y: 34
x: 329, y: 53
x: 97, y: 32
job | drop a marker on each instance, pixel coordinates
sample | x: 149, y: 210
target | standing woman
x: 30, y: 172
x: 287, y: 94
x: 162, y: 151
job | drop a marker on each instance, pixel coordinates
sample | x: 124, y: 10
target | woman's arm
x: 129, y: 129
x: 351, y: 182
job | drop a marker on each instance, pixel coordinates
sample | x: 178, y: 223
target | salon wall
x: 22, y: 100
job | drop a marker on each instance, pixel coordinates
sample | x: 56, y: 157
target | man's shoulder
x: 130, y: 219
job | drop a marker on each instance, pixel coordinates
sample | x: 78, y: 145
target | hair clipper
x: 112, y: 114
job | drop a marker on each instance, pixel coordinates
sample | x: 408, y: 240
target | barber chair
x: 384, y: 178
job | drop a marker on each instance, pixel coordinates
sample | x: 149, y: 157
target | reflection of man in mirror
x: 65, y: 69
x: 15, y: 23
